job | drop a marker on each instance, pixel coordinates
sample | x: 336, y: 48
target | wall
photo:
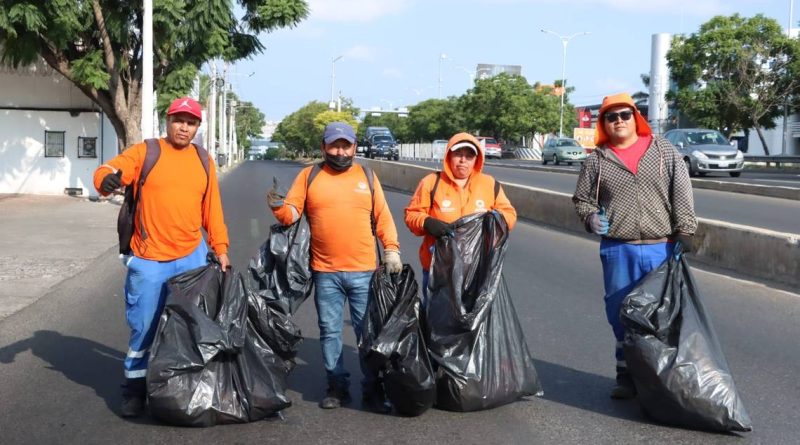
x: 24, y: 95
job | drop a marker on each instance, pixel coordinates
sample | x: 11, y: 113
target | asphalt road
x: 781, y: 215
x: 61, y: 358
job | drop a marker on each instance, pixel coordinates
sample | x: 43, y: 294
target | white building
x: 52, y: 137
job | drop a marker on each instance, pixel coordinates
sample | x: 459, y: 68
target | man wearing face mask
x: 340, y: 209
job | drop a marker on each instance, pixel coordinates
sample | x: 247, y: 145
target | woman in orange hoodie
x: 459, y: 189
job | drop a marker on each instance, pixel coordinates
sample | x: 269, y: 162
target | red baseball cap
x: 186, y: 105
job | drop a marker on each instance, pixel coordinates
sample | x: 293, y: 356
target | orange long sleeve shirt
x: 171, y: 206
x: 338, y: 206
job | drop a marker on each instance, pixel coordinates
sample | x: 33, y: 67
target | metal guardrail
x: 776, y: 159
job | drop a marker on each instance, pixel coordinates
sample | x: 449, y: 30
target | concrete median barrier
x: 751, y: 251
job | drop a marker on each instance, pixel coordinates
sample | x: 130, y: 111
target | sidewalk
x: 47, y: 239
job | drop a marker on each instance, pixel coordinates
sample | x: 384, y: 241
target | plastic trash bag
x: 473, y: 334
x: 209, y: 364
x: 393, y: 342
x: 282, y: 269
x: 673, y: 356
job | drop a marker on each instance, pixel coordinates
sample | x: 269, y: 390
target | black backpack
x: 126, y: 225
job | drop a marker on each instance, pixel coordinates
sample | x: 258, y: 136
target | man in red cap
x: 179, y: 196
x: 634, y: 191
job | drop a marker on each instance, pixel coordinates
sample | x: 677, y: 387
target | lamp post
x: 147, y: 70
x: 564, y: 41
x: 333, y: 80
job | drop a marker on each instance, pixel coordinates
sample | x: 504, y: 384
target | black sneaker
x: 335, y: 397
x: 134, y: 393
x: 374, y: 400
x: 624, y: 389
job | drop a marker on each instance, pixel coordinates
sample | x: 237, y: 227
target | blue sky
x: 392, y: 48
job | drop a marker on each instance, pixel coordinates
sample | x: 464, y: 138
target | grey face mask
x: 339, y: 163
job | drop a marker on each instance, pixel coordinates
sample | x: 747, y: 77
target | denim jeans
x: 145, y: 295
x: 623, y: 266
x: 331, y: 291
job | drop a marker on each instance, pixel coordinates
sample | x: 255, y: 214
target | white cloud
x: 359, y: 52
x: 701, y: 8
x: 393, y: 73
x: 355, y: 10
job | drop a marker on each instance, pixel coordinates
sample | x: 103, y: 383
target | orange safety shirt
x: 338, y: 206
x: 171, y: 206
x: 451, y: 202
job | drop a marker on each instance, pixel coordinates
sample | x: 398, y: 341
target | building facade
x: 52, y: 137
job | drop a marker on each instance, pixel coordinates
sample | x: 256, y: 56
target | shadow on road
x: 585, y: 391
x: 83, y: 361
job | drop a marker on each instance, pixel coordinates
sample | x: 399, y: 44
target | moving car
x: 706, y: 151
x: 561, y: 150
x: 382, y: 146
x: 491, y: 149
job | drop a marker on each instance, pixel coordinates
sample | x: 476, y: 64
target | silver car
x: 561, y: 150
x: 706, y: 151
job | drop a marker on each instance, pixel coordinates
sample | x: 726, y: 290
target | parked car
x: 561, y: 150
x: 491, y: 148
x: 382, y: 146
x: 706, y: 151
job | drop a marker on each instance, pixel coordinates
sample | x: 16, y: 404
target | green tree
x: 434, y: 119
x: 735, y: 73
x: 545, y: 111
x: 297, y: 130
x: 97, y: 44
x: 500, y: 106
x: 398, y: 125
x: 326, y: 117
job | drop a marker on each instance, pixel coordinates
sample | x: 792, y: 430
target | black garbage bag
x: 673, y: 355
x: 282, y: 269
x: 393, y: 343
x: 473, y: 334
x: 208, y: 363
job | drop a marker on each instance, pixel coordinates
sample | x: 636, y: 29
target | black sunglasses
x: 625, y: 115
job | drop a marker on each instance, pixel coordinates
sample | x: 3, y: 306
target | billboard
x: 484, y: 70
x: 584, y: 136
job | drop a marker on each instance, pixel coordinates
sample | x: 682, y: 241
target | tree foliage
x: 435, y: 119
x: 297, y: 130
x: 397, y: 124
x: 97, y: 44
x: 735, y: 73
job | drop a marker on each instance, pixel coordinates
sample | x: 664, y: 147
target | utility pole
x: 223, y: 146
x: 147, y: 71
x: 212, y: 113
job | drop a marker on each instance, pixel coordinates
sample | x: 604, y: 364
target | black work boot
x: 336, y: 396
x: 134, y: 392
x: 373, y: 398
x: 624, y: 389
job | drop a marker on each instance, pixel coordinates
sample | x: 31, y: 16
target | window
x: 87, y: 147
x: 54, y: 144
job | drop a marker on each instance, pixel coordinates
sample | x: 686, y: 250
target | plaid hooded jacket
x: 653, y: 204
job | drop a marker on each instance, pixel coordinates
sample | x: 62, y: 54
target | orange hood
x: 463, y: 137
x: 642, y: 127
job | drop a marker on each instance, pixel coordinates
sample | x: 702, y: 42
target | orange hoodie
x: 338, y: 206
x: 451, y: 202
x: 171, y: 205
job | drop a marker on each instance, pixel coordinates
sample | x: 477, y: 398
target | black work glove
x: 111, y: 182
x: 437, y: 228
x: 686, y: 241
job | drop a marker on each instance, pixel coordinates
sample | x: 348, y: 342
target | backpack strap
x: 202, y: 153
x: 150, y: 158
x: 314, y: 172
x: 370, y: 181
x: 435, y: 186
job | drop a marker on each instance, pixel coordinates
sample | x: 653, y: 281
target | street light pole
x: 147, y: 70
x: 333, y: 79
x: 564, y: 41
